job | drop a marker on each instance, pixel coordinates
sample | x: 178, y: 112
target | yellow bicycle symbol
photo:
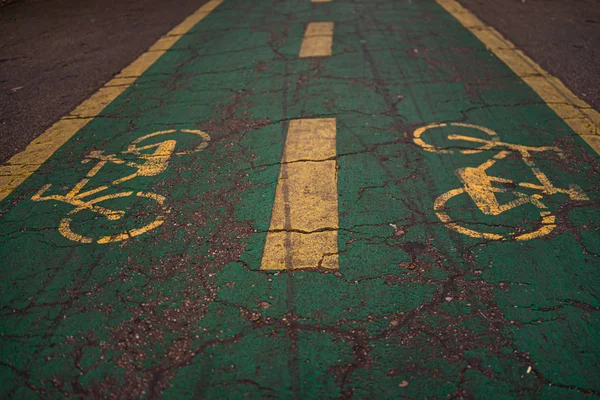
x: 153, y: 159
x: 480, y: 186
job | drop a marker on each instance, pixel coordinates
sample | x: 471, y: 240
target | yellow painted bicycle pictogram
x: 483, y: 189
x: 149, y: 160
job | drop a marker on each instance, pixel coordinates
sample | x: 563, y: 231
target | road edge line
x: 20, y: 166
x: 575, y: 112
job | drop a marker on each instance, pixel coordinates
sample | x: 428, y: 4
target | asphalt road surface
x: 298, y: 199
x: 562, y: 36
x: 55, y: 53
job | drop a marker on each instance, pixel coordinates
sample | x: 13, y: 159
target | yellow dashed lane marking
x: 583, y: 119
x: 23, y: 164
x: 304, y: 221
x: 318, y: 40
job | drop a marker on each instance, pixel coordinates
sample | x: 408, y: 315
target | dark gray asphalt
x: 56, y: 53
x: 562, y: 36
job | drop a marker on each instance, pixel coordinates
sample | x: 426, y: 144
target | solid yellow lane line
x: 318, y: 40
x: 23, y: 164
x: 320, y: 1
x: 584, y: 120
x: 304, y: 221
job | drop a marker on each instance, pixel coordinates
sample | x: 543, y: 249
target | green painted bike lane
x: 415, y: 310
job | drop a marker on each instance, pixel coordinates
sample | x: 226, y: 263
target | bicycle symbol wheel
x: 135, y: 149
x: 65, y: 227
x: 488, y: 143
x: 548, y: 221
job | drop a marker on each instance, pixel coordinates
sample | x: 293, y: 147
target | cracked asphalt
x: 46, y: 69
x: 468, y: 243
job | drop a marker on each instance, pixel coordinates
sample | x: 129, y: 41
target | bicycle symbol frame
x: 480, y: 186
x: 151, y: 164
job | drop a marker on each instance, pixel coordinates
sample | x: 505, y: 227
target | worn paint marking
x: 304, y: 221
x: 484, y: 188
x: 320, y: 1
x: 583, y: 119
x: 148, y: 164
x: 16, y: 170
x: 318, y: 40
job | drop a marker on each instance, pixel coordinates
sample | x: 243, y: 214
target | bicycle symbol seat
x: 152, y: 159
x: 483, y: 188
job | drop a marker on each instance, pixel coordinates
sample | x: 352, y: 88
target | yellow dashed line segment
x: 304, y: 221
x: 318, y: 40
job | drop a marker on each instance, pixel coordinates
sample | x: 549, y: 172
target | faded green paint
x: 184, y: 311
